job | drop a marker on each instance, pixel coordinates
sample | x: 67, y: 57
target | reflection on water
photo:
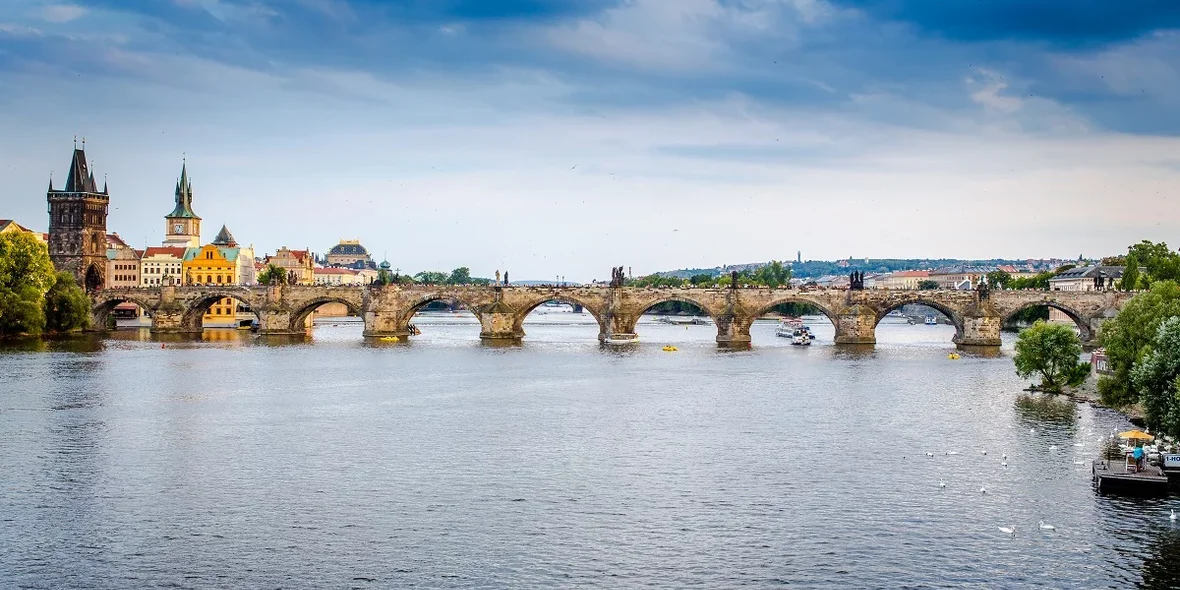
x: 233, y: 460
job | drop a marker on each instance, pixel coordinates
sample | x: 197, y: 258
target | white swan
x: 1046, y: 527
x: 1008, y: 530
x: 1004, y: 464
x: 984, y: 452
x: 929, y: 454
x: 1173, y: 516
x: 1004, y: 456
x: 982, y: 490
x: 941, y: 484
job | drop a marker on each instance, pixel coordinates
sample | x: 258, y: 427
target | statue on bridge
x: 984, y: 289
x: 617, y: 277
x: 856, y: 281
x: 733, y: 279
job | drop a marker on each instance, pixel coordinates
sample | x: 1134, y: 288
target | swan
x: 941, y: 484
x: 1004, y: 456
x: 1009, y: 530
x: 1052, y: 447
x: 1004, y: 464
x: 929, y: 454
x: 1032, y: 430
x: 982, y: 490
x: 1173, y: 516
x: 984, y: 452
x: 1046, y: 527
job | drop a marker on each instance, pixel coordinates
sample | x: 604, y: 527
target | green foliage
x: 998, y: 279
x: 273, y: 274
x: 460, y: 276
x: 67, y: 308
x: 927, y: 285
x: 1029, y: 315
x: 25, y: 274
x: 703, y: 280
x: 1039, y: 282
x: 1159, y: 262
x: 1130, y: 280
x: 384, y: 277
x: 21, y: 311
x: 656, y: 281
x: 1127, y: 337
x: 431, y: 277
x: 1154, y: 378
x: 24, y: 262
x: 1050, y: 351
x: 773, y: 275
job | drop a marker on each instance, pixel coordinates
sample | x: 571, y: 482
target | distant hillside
x: 819, y: 268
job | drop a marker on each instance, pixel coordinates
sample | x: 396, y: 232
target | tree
x: 1155, y: 379
x: 460, y: 276
x: 1127, y: 338
x: 1039, y: 282
x: 927, y: 285
x: 703, y: 280
x: 1050, y: 351
x: 432, y: 277
x: 773, y: 274
x: 273, y: 274
x: 1130, y: 280
x: 67, y: 307
x: 999, y: 278
x: 25, y: 273
x: 1159, y: 262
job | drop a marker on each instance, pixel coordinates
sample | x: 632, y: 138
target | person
x: 1138, y: 455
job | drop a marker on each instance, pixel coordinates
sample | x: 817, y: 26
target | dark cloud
x: 1056, y: 22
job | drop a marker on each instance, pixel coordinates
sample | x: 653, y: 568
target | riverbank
x: 1088, y: 393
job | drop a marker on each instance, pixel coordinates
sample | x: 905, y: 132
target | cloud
x: 61, y: 13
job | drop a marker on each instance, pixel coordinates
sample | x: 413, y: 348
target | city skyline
x: 552, y: 137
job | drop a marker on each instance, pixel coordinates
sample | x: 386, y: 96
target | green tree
x: 460, y: 276
x: 273, y: 274
x: 927, y: 285
x: 1159, y: 262
x: 773, y: 274
x: 999, y: 279
x: 1155, y: 376
x: 1127, y: 337
x: 703, y: 280
x: 67, y: 307
x: 1130, y: 280
x: 25, y: 274
x: 1050, y: 351
x: 1039, y: 282
x: 432, y: 277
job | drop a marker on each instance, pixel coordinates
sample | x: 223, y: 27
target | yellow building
x: 215, y: 264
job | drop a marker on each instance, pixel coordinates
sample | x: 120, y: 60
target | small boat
x: 787, y: 328
x: 800, y: 338
x: 931, y: 320
x: 954, y: 356
x: 670, y: 348
x: 621, y: 339
x: 391, y: 339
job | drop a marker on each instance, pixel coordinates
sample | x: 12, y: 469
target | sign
x: 1172, y: 461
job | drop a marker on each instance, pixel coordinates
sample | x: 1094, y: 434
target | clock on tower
x: 183, y: 227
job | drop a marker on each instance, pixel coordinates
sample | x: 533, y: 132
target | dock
x: 1114, y: 477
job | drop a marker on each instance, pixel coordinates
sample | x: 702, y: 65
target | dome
x: 348, y: 249
x: 384, y: 265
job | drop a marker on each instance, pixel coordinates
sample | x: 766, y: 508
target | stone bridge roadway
x: 501, y: 310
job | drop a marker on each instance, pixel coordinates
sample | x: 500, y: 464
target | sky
x: 561, y: 138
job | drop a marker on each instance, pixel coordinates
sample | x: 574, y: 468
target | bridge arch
x: 528, y: 308
x: 106, y: 303
x: 950, y: 312
x: 766, y: 307
x: 415, y: 305
x: 1081, y: 320
x: 192, y: 320
x: 300, y: 315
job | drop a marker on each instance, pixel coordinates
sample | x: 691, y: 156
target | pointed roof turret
x: 224, y: 238
x: 79, y: 180
x: 184, y: 196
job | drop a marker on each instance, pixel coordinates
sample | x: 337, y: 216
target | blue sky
x: 556, y: 137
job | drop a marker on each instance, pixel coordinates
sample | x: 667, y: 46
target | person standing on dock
x: 1138, y: 455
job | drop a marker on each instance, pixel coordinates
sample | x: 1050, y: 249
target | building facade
x: 78, y: 225
x: 351, y: 254
x: 182, y: 227
x: 8, y: 225
x: 299, y: 264
x: 122, y: 263
x: 161, y: 265
x: 903, y: 279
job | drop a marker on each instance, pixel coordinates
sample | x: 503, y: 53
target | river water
x: 233, y: 462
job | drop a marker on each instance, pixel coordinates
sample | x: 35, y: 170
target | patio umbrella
x: 1136, y: 434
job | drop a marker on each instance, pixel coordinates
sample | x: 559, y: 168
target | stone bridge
x: 501, y: 310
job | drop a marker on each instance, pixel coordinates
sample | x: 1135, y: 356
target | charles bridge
x: 501, y: 309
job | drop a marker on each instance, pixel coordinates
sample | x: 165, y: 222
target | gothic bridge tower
x: 78, y: 224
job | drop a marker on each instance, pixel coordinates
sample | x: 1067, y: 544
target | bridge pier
x: 858, y: 325
x: 384, y: 324
x: 278, y: 323
x: 619, y: 327
x: 500, y: 323
x: 981, y: 330
x: 732, y: 332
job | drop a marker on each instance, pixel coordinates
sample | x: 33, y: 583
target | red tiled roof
x: 175, y: 251
x: 115, y: 240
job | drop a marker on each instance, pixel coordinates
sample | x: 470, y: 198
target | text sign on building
x: 1172, y: 461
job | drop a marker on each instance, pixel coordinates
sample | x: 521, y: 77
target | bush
x: 67, y: 308
x: 1050, y: 351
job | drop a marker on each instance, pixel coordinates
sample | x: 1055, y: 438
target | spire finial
x: 84, y: 147
x: 75, y: 141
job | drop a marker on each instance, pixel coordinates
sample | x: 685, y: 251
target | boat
x: 390, y: 339
x: 670, y: 348
x: 800, y: 338
x: 954, y: 356
x: 621, y: 339
x: 931, y: 320
x: 788, y: 326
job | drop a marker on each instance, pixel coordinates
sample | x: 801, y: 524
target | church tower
x: 183, y: 226
x: 78, y: 224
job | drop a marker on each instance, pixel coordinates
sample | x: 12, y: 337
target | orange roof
x: 116, y: 240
